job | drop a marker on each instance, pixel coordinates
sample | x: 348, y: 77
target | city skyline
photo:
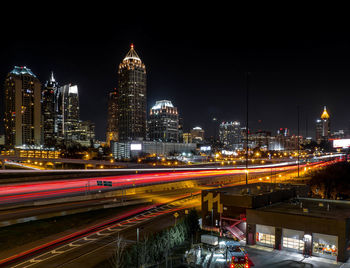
x: 202, y: 77
x: 181, y: 138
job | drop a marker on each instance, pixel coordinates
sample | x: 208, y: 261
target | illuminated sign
x: 136, y: 147
x: 225, y: 152
x: 205, y: 148
x: 342, y: 143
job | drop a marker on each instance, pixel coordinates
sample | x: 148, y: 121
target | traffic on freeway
x: 30, y: 191
x: 77, y: 241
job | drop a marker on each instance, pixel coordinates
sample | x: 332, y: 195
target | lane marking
x: 56, y: 252
x: 116, y: 228
x: 89, y: 239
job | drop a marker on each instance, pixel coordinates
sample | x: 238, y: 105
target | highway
x: 90, y: 245
x: 29, y: 191
x: 16, y: 215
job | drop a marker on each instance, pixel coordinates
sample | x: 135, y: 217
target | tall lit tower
x: 68, y: 125
x: 323, y: 127
x: 112, y: 122
x: 230, y: 135
x: 22, y: 108
x: 48, y: 98
x: 131, y: 98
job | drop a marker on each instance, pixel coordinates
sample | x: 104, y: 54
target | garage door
x: 325, y: 246
x: 265, y: 235
x: 293, y: 240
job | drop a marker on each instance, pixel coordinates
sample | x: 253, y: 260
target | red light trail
x: 20, y: 192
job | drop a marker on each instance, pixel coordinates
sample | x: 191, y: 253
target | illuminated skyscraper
x: 48, y: 104
x: 22, y: 108
x: 131, y: 98
x: 197, y: 135
x: 230, y: 135
x: 112, y: 122
x: 164, y: 122
x: 323, y: 127
x: 68, y: 125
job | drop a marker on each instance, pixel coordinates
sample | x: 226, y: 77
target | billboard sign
x: 205, y: 148
x: 136, y: 147
x: 342, y: 143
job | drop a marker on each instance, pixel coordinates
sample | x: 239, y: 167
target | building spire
x: 325, y: 114
x: 132, y: 55
x: 52, y: 78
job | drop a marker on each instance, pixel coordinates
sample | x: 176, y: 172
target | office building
x: 48, y: 104
x: 22, y: 108
x: 112, y: 122
x: 87, y: 132
x: 131, y: 98
x: 164, y: 122
x: 323, y: 127
x: 68, y: 125
x: 230, y: 135
x: 283, y: 141
x: 134, y: 149
x: 340, y: 134
x: 197, y: 135
x: 181, y: 129
x: 260, y: 139
x: 186, y: 138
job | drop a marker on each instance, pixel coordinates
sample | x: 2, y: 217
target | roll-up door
x: 293, y: 240
x: 325, y: 246
x: 265, y: 235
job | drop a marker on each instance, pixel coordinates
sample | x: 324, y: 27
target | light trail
x: 20, y: 192
x: 131, y: 217
x: 316, y: 158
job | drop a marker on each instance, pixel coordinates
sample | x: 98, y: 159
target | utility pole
x: 298, y: 141
x: 212, y: 220
x: 137, y: 246
x: 247, y: 127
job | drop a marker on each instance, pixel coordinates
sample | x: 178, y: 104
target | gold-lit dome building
x: 323, y: 127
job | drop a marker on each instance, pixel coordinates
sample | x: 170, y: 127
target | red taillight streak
x: 76, y: 234
x: 126, y: 181
x: 89, y: 231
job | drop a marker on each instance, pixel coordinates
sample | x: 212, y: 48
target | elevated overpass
x: 28, y: 191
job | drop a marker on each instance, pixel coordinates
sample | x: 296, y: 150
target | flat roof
x: 323, y: 208
x: 257, y: 188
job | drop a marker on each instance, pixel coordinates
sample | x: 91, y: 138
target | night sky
x: 198, y: 64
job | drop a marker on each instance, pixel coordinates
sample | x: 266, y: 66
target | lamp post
x: 212, y: 220
x: 247, y: 108
x: 298, y: 142
x: 137, y: 246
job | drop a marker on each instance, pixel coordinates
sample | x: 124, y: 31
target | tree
x: 331, y: 182
x: 117, y: 260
